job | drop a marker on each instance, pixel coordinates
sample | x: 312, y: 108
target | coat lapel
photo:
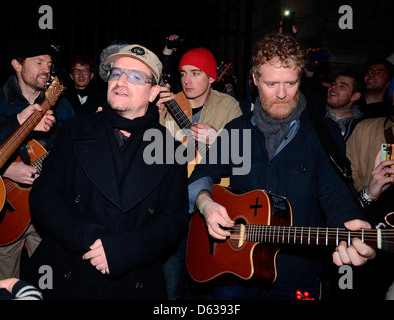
x: 95, y: 157
x: 141, y: 179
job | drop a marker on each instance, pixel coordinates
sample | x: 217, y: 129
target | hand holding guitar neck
x: 165, y: 96
x: 33, y: 121
x: 44, y: 125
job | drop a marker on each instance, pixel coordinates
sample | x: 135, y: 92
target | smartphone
x: 288, y: 22
x: 177, y: 44
x: 387, y: 153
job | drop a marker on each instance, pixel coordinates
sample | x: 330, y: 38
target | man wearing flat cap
x: 106, y: 213
x: 23, y: 93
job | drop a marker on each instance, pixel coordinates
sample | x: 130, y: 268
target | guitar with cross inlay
x: 263, y: 223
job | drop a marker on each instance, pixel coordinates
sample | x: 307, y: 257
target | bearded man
x: 287, y: 159
x: 23, y: 91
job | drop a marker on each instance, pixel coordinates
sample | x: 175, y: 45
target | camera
x: 175, y: 44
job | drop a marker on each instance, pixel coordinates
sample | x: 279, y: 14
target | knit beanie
x: 201, y: 58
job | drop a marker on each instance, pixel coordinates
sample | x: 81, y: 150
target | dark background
x: 229, y: 28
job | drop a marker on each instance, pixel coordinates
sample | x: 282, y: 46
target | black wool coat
x: 77, y: 200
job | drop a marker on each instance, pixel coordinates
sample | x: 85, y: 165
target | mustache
x: 44, y: 74
x: 281, y: 101
x: 120, y: 89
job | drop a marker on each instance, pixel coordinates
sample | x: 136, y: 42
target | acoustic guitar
x: 179, y: 109
x: 15, y: 216
x: 263, y: 223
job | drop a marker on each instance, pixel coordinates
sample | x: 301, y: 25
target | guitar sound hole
x: 238, y: 236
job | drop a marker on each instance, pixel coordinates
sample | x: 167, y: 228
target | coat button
x: 77, y: 198
x: 139, y: 285
x: 67, y: 274
x: 151, y: 210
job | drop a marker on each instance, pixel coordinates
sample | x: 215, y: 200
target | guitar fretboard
x: 375, y: 238
x: 9, y: 147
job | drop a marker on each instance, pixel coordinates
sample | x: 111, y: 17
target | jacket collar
x: 14, y: 96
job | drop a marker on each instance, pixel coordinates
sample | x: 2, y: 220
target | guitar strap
x: 338, y: 159
x: 183, y: 103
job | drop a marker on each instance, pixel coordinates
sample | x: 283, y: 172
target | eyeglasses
x: 139, y: 78
x: 77, y: 72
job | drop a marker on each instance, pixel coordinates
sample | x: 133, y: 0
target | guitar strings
x: 15, y: 140
x: 272, y: 232
x: 23, y: 131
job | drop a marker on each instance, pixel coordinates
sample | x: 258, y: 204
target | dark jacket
x: 86, y: 100
x: 77, y: 200
x: 302, y: 173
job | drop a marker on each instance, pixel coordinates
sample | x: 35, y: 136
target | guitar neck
x: 376, y: 238
x: 184, y: 122
x: 16, y: 139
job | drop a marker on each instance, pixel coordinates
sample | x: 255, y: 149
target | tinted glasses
x: 133, y: 76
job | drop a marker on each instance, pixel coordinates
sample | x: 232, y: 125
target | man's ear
x: 356, y: 96
x: 254, y: 79
x: 154, y: 91
x: 387, y: 84
x: 16, y: 65
x: 211, y: 80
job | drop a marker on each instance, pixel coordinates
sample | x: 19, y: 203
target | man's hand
x: 204, y: 133
x: 216, y: 218
x: 22, y: 173
x: 378, y: 182
x: 358, y: 252
x: 8, y: 284
x: 164, y: 96
x: 46, y: 122
x: 167, y: 51
x: 97, y: 257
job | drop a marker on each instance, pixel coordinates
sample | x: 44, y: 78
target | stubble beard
x: 35, y: 83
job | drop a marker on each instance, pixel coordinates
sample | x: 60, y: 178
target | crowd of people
x: 112, y: 225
